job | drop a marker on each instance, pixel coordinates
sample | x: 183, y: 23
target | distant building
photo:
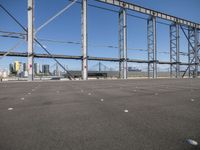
x: 11, y: 68
x: 36, y: 68
x: 25, y: 67
x: 17, y: 66
x: 24, y: 74
x: 45, y: 69
x: 3, y: 73
x: 134, y: 69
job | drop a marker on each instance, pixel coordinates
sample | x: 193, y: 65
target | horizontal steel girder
x: 57, y: 56
x: 147, y: 11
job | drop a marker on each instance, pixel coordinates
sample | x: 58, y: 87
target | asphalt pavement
x: 162, y: 114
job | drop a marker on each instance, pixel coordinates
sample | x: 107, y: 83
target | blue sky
x: 102, y: 30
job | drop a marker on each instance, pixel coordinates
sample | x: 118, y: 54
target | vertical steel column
x: 174, y: 51
x: 191, y: 52
x: 197, y: 47
x: 30, y: 39
x: 84, y: 41
x: 152, y: 48
x: 123, y: 44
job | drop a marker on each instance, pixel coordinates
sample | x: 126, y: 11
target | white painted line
x: 126, y: 110
x: 10, y: 108
x: 192, y: 142
x: 102, y: 99
x: 22, y: 98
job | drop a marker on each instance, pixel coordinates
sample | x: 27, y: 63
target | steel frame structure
x: 150, y: 12
x: 192, y: 37
x: 174, y: 51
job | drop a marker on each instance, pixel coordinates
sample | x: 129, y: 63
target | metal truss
x: 122, y: 44
x: 152, y: 50
x: 174, y: 51
x: 193, y: 49
x: 192, y: 37
x: 150, y: 12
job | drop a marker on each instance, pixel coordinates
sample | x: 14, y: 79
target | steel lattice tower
x: 174, y: 51
x: 152, y: 50
x: 191, y: 52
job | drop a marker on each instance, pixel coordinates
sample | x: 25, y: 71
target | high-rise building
x: 45, y: 69
x: 11, y: 68
x: 36, y: 68
x: 17, y: 66
x: 25, y: 67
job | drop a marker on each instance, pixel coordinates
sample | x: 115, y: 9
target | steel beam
x: 147, y: 11
x: 30, y: 39
x: 152, y: 48
x: 84, y: 41
x: 174, y: 51
x: 122, y: 44
x: 21, y: 54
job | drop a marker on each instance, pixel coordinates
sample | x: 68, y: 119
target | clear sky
x: 102, y: 30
